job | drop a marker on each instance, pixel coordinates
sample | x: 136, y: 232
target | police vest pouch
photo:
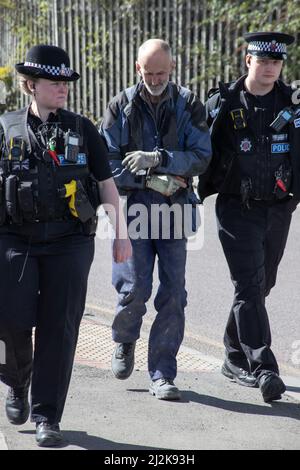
x: 246, y: 191
x: 11, y: 199
x: 79, y: 203
x: 90, y: 226
x: 2, y: 202
x: 83, y: 206
x: 25, y: 199
x: 93, y: 192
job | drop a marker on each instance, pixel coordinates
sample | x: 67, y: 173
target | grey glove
x: 139, y: 160
x: 165, y: 184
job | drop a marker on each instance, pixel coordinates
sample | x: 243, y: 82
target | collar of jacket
x: 226, y: 89
x: 133, y: 112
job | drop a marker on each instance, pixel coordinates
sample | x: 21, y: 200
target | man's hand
x: 122, y: 249
x: 139, y: 160
x: 166, y: 184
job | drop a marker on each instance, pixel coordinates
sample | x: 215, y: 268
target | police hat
x: 270, y: 45
x: 51, y: 62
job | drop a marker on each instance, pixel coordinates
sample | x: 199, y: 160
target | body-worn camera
x: 72, y: 142
x: 239, y: 118
x: 17, y: 149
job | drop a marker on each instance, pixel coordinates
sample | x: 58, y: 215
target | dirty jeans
x: 133, y: 282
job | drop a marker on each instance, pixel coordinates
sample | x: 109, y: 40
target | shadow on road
x: 86, y: 441
x: 276, y: 408
x: 290, y: 388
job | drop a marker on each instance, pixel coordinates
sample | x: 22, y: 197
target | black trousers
x: 253, y: 242
x: 50, y: 294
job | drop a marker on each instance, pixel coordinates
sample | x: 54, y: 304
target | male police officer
x: 255, y: 155
x: 51, y: 163
x: 160, y: 128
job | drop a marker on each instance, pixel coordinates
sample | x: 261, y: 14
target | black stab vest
x: 259, y: 150
x: 44, y: 178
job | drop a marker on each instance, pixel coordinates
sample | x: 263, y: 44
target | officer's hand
x: 122, y: 249
x: 139, y: 160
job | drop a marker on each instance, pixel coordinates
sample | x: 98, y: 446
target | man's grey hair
x: 160, y: 43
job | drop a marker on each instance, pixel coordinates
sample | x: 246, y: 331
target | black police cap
x: 268, y: 44
x: 46, y: 61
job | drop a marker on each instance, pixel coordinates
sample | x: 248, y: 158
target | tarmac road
x: 210, y: 294
x: 214, y: 413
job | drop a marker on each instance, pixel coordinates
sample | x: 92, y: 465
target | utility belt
x: 19, y: 204
x: 283, y: 179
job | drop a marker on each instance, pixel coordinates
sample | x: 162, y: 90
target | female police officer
x: 52, y: 165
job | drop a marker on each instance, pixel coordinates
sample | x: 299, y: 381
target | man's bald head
x: 154, y: 65
x: 152, y: 46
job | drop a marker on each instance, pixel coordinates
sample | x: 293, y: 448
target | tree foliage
x: 257, y: 15
x: 28, y: 22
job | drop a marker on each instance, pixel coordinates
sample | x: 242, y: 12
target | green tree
x: 248, y: 16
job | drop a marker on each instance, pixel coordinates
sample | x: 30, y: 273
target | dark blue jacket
x: 179, y: 132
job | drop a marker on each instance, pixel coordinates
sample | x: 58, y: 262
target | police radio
x: 285, y: 116
x: 72, y: 142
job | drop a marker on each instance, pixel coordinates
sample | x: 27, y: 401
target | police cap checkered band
x: 47, y: 61
x: 269, y: 44
x: 52, y: 70
x: 263, y: 46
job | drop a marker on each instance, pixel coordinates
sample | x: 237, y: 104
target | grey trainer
x: 122, y: 362
x: 164, y: 389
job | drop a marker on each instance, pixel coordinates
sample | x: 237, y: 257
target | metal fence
x: 102, y: 38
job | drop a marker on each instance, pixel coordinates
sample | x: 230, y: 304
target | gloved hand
x: 139, y: 160
x: 165, y: 184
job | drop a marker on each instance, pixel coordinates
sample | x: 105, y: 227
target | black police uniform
x: 45, y: 250
x: 255, y: 170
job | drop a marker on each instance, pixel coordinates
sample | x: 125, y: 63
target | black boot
x: 17, y: 406
x: 271, y: 386
x: 48, y: 435
x: 239, y: 373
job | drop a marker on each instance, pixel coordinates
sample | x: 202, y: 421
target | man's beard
x: 158, y: 89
